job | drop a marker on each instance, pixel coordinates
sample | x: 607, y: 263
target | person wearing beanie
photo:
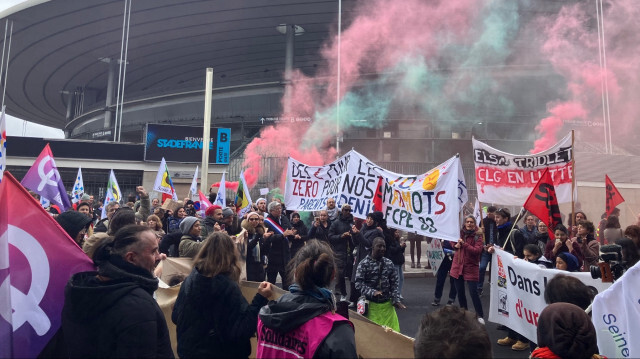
x: 229, y: 221
x: 191, y: 242
x: 75, y: 224
x: 565, y: 331
x: 212, y: 220
x: 261, y: 203
x: 567, y: 261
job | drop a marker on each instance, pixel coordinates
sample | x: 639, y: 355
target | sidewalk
x: 425, y: 271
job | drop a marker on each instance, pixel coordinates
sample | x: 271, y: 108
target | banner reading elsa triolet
x: 508, y: 179
x: 427, y: 204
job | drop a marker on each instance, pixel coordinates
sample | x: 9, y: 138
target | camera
x: 612, y: 266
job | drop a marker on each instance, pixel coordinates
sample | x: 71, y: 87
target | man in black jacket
x: 111, y: 313
x: 340, y: 238
x: 278, y: 244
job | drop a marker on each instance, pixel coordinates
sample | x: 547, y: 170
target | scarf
x: 324, y: 295
x: 116, y: 268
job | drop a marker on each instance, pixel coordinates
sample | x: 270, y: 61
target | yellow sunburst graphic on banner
x: 431, y: 180
x: 166, y: 180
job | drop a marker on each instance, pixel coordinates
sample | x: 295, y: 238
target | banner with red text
x: 427, y: 204
x: 508, y: 179
x: 517, y: 292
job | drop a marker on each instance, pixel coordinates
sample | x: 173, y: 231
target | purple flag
x: 43, y: 178
x: 40, y: 259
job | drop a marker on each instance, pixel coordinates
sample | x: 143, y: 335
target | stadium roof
x: 58, y: 46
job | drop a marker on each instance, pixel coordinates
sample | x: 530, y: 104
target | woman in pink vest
x: 303, y: 323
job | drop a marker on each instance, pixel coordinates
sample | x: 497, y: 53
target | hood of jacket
x: 291, y: 311
x: 90, y: 296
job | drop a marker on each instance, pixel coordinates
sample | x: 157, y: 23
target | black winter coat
x: 277, y: 244
x: 213, y: 320
x: 303, y: 232
x: 363, y: 241
x: 320, y: 233
x: 339, y: 244
x: 116, y: 318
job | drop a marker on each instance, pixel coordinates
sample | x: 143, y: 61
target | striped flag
x: 113, y: 193
x: 164, y: 184
x: 243, y: 199
x: 78, y: 187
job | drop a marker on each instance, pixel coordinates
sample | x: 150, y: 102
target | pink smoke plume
x: 232, y: 186
x: 572, y: 47
x: 381, y: 35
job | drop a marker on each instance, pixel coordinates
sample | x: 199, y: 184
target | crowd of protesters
x: 324, y: 260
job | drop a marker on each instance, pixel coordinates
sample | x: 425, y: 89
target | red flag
x: 543, y: 202
x: 37, y: 258
x: 377, y: 198
x: 613, y: 196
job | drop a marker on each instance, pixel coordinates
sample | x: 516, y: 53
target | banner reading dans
x: 427, y: 204
x: 508, y: 179
x: 517, y: 292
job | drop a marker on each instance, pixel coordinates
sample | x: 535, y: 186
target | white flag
x: 45, y: 203
x: 194, y: 184
x: 221, y: 198
x: 477, y: 212
x: 616, y: 317
x: 163, y: 183
x: 3, y: 144
x: 113, y: 193
x: 78, y: 187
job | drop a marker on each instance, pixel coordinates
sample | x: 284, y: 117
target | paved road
x: 418, y: 294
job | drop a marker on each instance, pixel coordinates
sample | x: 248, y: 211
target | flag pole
x: 573, y: 181
x: 512, y: 228
x: 206, y: 135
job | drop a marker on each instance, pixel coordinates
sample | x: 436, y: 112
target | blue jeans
x: 485, y: 259
x: 400, y: 277
x: 441, y: 276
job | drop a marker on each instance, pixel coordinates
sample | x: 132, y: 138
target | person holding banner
x: 306, y: 317
x: 465, y: 266
x: 508, y: 236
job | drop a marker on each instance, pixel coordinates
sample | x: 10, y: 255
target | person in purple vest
x: 303, y: 323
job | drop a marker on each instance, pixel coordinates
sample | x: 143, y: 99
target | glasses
x: 254, y: 219
x: 346, y: 210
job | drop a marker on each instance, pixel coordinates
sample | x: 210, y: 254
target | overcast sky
x: 16, y: 127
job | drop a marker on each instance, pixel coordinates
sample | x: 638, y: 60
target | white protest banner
x: 427, y: 204
x: 435, y: 253
x: 517, y: 292
x: 616, y: 316
x: 509, y: 179
x: 309, y: 187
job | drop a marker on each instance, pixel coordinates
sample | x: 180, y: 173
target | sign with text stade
x: 427, y: 204
x: 508, y: 179
x: 184, y: 144
x: 517, y: 292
